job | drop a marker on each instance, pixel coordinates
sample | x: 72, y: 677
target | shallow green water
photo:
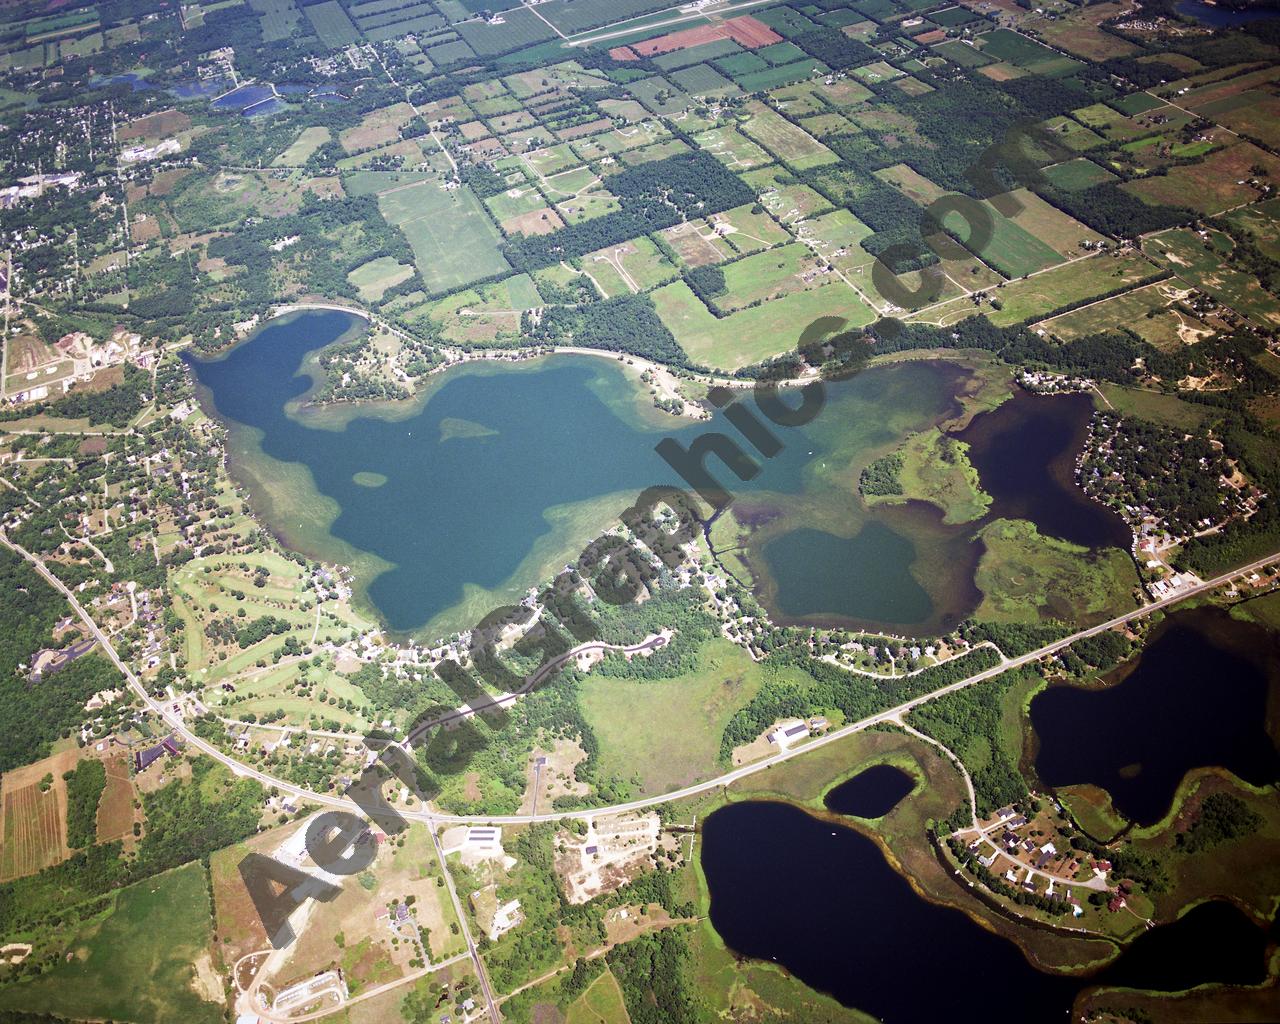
x: 464, y: 499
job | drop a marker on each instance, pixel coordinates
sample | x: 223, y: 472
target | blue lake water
x: 547, y: 452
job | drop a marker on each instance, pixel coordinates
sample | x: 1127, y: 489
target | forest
x: 34, y: 714
x: 967, y: 722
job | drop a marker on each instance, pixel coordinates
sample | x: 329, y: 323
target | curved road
x: 177, y: 725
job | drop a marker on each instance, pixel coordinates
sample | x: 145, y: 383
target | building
x: 788, y: 732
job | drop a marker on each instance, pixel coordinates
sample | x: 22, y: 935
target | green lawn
x: 137, y: 964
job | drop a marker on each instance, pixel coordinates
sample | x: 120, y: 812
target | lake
x: 872, y: 793
x: 1197, y: 696
x: 821, y: 901
x: 1223, y: 17
x: 1025, y: 453
x: 486, y: 487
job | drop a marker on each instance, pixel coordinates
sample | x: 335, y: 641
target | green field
x: 788, y: 143
x: 1186, y: 255
x: 644, y: 726
x: 1061, y: 286
x: 1027, y: 577
x: 376, y: 276
x: 137, y: 963
x: 454, y: 242
x: 753, y: 334
x: 303, y: 146
x: 1077, y: 174
x: 1010, y: 249
x: 332, y: 25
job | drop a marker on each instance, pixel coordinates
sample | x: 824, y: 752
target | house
x: 817, y: 723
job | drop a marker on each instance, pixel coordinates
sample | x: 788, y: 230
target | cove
x: 872, y: 793
x: 1024, y: 451
x: 1197, y: 696
x: 498, y: 473
x: 821, y: 901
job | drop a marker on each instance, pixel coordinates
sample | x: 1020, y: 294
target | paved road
x: 176, y: 724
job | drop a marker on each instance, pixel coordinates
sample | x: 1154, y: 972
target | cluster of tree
x: 708, y: 284
x: 261, y: 628
x: 84, y: 789
x: 652, y: 196
x: 1097, y: 653
x: 882, y: 476
x: 834, y: 48
x: 33, y: 715
x: 628, y: 323
x: 1223, y: 817
x: 1139, y: 464
x: 189, y: 820
x: 1110, y: 210
x: 652, y: 972
x: 1014, y: 638
x: 967, y: 722
x: 855, y: 697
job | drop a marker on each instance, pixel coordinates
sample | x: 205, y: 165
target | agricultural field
x: 790, y: 144
x: 331, y: 24
x: 1075, y: 175
x: 436, y: 220
x: 280, y: 18
x: 768, y: 276
x: 1064, y: 234
x: 302, y: 147
x: 1070, y: 283
x: 633, y: 266
x: 1150, y: 311
x: 1011, y: 249
x: 33, y: 805
x: 1213, y: 184
x: 733, y: 149
x: 747, y: 230
x: 911, y: 183
x: 147, y: 960
x: 372, y: 279
x: 753, y: 334
x: 1262, y: 223
x: 1200, y: 264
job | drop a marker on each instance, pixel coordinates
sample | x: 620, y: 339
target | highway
x: 178, y: 726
